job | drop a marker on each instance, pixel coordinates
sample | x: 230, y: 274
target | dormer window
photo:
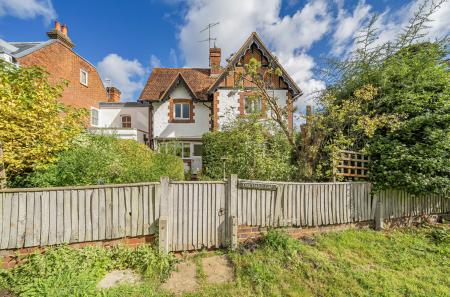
x: 182, y: 111
x: 126, y: 121
x: 83, y: 77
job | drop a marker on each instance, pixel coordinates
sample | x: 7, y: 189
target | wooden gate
x: 196, y: 215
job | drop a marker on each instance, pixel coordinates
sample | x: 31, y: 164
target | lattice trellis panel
x: 352, y: 165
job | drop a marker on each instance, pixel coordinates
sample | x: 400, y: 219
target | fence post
x: 231, y: 210
x: 163, y: 223
x: 379, y: 220
x: 2, y: 169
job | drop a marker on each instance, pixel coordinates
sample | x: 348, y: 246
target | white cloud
x: 27, y: 9
x: 347, y: 25
x: 290, y: 33
x: 237, y: 20
x: 291, y: 36
x: 440, y: 24
x: 301, y: 69
x: 126, y: 75
x: 154, y: 61
x: 173, y: 57
x: 288, y: 36
x: 392, y: 23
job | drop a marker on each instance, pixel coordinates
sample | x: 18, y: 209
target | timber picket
x: 41, y: 217
x: 198, y: 212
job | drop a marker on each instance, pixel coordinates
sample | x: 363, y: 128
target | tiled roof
x: 198, y: 79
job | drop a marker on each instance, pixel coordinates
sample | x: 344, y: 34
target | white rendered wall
x: 110, y: 117
x: 163, y: 129
x: 229, y: 104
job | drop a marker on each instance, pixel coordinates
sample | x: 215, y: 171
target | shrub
x: 64, y: 271
x: 251, y: 152
x: 105, y: 160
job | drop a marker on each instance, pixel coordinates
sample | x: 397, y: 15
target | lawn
x: 407, y: 262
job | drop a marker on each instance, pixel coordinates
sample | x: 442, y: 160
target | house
x: 184, y: 103
x: 57, y: 56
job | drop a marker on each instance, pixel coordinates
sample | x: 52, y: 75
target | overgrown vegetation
x: 248, y: 148
x: 411, y: 262
x: 407, y: 262
x: 65, y: 271
x: 388, y: 99
x: 94, y: 159
x: 34, y: 126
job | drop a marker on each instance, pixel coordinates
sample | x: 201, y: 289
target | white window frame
x: 175, y: 112
x: 98, y: 116
x: 82, y: 71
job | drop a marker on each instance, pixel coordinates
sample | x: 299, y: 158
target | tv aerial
x: 209, y: 39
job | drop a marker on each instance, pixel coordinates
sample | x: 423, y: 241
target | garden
x: 407, y: 262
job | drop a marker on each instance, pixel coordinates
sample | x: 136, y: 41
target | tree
x: 250, y: 148
x: 416, y: 88
x: 34, y: 126
x: 391, y: 100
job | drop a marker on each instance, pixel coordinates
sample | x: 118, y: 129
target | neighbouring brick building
x: 57, y: 56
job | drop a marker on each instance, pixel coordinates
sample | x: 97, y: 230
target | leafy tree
x: 391, y: 100
x: 107, y: 160
x: 251, y: 149
x: 416, y: 88
x: 34, y: 126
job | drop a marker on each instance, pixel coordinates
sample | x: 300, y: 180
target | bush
x: 251, y: 152
x: 106, y: 160
x: 64, y: 271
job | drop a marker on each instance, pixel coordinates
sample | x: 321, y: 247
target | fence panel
x: 40, y: 217
x: 197, y: 215
x: 278, y: 204
x: 399, y: 204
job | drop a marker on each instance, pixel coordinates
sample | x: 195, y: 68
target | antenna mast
x: 209, y: 39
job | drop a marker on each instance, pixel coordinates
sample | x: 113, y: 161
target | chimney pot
x: 214, y: 60
x: 57, y: 26
x: 113, y: 94
x: 64, y: 29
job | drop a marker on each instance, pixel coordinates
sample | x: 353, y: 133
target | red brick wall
x: 10, y: 258
x: 62, y: 63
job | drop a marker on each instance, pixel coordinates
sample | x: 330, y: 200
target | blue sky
x: 125, y: 39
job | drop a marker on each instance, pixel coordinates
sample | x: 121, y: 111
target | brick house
x: 181, y: 104
x: 57, y: 56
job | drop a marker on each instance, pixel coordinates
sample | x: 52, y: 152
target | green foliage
x: 65, y: 271
x: 398, y: 111
x: 34, y: 126
x: 416, y: 155
x: 251, y: 152
x: 349, y: 263
x: 409, y: 262
x: 106, y: 160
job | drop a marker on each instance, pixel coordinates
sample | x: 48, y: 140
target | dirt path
x: 185, y: 278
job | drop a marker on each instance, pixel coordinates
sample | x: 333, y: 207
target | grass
x: 408, y: 262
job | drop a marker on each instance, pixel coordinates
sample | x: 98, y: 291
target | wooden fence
x: 40, y: 217
x: 302, y: 204
x: 193, y: 215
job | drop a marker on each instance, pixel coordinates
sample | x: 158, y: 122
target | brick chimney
x: 214, y: 61
x: 60, y: 32
x: 113, y: 94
